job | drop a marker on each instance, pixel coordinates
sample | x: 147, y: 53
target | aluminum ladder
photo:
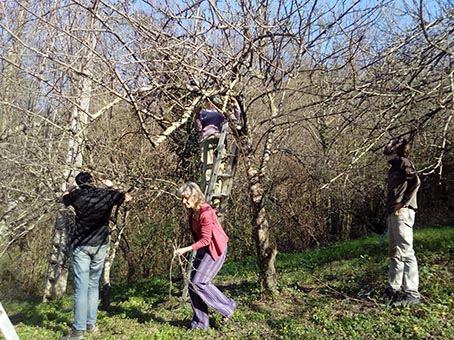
x: 228, y: 157
x: 6, y: 327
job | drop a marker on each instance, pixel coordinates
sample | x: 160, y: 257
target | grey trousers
x: 203, y: 293
x: 403, y: 269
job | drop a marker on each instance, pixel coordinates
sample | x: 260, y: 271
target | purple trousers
x: 203, y: 293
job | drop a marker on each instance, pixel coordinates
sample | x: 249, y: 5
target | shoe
x: 196, y: 329
x: 91, y: 328
x: 390, y: 296
x: 74, y: 335
x: 226, y: 319
x: 407, y: 301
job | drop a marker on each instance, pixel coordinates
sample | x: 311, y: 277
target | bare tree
x: 321, y: 85
x: 260, y: 53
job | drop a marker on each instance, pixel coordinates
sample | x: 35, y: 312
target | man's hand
x: 128, y: 197
x: 68, y: 189
x: 108, y: 183
x: 397, y: 208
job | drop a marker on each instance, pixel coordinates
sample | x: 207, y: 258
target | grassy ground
x: 328, y: 293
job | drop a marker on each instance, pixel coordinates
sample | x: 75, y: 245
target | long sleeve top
x: 209, y: 123
x: 93, y: 207
x: 403, y: 184
x: 208, y: 232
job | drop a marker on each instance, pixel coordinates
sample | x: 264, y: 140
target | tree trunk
x: 58, y: 265
x: 57, y: 274
x: 266, y: 250
x: 112, y: 251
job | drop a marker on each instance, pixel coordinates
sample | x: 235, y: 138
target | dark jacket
x: 93, y: 207
x: 403, y: 184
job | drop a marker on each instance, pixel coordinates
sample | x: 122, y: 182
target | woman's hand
x: 182, y: 251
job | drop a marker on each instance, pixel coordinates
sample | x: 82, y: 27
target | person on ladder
x: 208, y: 122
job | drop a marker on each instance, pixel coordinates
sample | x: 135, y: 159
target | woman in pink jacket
x: 211, y: 249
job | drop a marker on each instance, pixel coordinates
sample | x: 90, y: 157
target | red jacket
x: 208, y: 232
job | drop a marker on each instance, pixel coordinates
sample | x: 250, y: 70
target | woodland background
x: 110, y: 87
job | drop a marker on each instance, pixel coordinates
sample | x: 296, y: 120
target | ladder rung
x: 220, y: 195
x: 226, y: 156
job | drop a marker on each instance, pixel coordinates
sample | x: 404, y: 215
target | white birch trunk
x: 57, y: 274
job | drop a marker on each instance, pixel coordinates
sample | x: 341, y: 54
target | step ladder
x: 222, y: 171
x: 6, y: 327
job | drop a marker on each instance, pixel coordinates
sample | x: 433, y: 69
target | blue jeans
x: 88, y: 263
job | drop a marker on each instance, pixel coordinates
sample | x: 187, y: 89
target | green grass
x: 327, y: 293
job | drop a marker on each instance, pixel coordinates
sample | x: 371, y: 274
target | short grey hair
x: 191, y: 189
